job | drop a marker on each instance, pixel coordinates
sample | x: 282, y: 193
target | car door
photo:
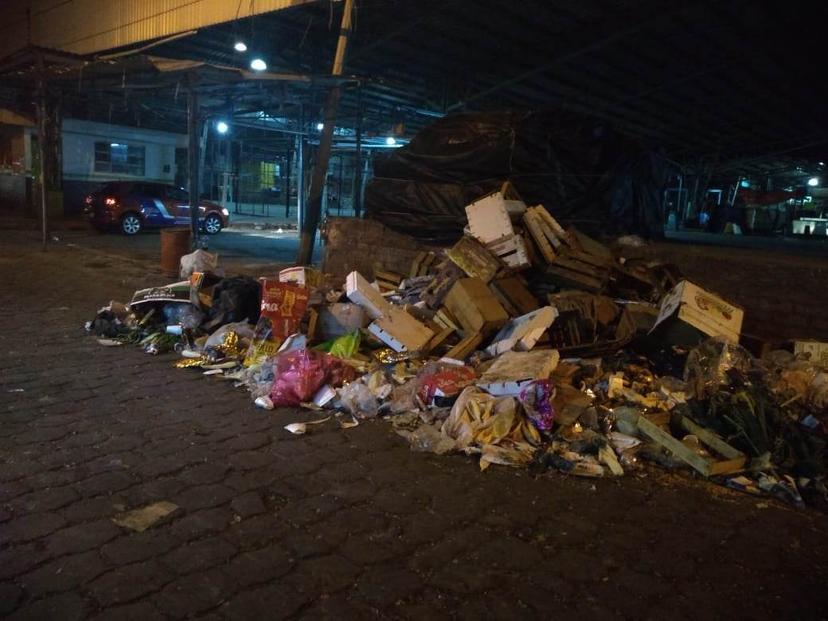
x: 179, y: 201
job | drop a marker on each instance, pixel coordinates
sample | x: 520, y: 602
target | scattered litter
x: 525, y: 343
x: 141, y: 519
x: 302, y: 428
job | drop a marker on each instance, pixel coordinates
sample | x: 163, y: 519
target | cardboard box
x: 304, y: 276
x: 512, y: 371
x: 475, y: 307
x: 522, y: 333
x: 400, y: 331
x: 818, y: 351
x: 360, y: 291
x: 689, y: 313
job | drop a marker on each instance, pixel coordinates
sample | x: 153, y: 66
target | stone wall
x: 785, y: 296
x: 355, y: 244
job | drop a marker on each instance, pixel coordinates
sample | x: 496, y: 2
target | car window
x: 177, y: 194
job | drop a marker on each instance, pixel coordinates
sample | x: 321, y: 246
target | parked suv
x: 132, y: 206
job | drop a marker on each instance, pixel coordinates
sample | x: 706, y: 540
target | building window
x: 268, y: 174
x: 119, y: 158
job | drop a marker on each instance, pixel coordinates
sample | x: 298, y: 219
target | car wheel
x: 212, y: 224
x: 130, y: 224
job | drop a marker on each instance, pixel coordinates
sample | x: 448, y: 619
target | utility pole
x: 310, y: 221
x: 41, y: 145
x: 356, y: 194
x: 193, y: 158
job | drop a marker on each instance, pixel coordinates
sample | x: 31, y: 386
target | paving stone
x: 104, y: 483
x: 136, y: 547
x: 129, y: 582
x: 201, y: 523
x: 33, y: 526
x: 82, y: 537
x: 63, y: 574
x: 247, y: 505
x: 139, y: 611
x: 199, y: 555
x: 260, y: 566
x: 195, y: 593
x: 203, y: 496
x: 275, y: 601
x: 10, y: 597
x: 66, y: 607
x: 48, y: 499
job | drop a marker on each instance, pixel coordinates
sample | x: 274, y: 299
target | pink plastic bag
x: 299, y: 374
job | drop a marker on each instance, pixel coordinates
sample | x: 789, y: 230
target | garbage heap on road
x: 524, y: 343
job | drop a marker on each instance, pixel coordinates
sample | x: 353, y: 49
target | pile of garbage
x: 524, y: 344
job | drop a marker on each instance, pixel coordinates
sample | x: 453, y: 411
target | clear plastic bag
x: 709, y: 365
x: 357, y: 399
x: 183, y: 314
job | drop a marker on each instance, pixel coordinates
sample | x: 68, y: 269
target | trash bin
x: 175, y: 243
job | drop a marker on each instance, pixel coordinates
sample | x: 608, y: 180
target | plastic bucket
x: 175, y: 243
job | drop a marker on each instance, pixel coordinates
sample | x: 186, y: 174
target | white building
x: 94, y: 153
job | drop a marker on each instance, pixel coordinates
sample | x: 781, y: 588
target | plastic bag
x: 299, y: 374
x: 344, y: 346
x: 183, y: 314
x: 198, y: 261
x: 710, y: 364
x: 439, y: 384
x: 536, y: 399
x: 357, y: 399
x: 235, y: 299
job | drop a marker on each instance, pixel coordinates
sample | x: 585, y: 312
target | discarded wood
x: 439, y: 338
x: 703, y: 466
x: 465, y: 347
x: 535, y: 230
x: 474, y: 259
x: 710, y: 439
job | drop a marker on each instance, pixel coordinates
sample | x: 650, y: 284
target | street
x: 334, y: 524
x: 237, y: 245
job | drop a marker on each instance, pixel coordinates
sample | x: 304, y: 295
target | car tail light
x: 110, y: 202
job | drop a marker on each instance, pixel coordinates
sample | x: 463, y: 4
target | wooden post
x: 314, y: 207
x: 193, y: 158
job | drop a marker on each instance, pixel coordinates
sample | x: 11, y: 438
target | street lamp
x: 257, y: 64
x: 240, y: 46
x: 222, y: 127
x: 813, y: 182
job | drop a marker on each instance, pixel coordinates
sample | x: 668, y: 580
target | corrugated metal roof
x: 89, y: 26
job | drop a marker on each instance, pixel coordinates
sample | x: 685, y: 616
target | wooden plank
x: 540, y: 238
x: 550, y: 235
x: 661, y: 437
x: 464, y: 348
x: 417, y: 263
x: 439, y: 338
x: 710, y: 439
x: 559, y: 231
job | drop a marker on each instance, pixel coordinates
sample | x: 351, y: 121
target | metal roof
x: 729, y: 82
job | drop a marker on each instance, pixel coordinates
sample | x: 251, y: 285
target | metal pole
x: 288, y: 159
x: 311, y: 220
x: 193, y: 159
x: 300, y: 180
x: 356, y: 199
x: 41, y: 145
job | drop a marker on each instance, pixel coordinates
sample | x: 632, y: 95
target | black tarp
x: 581, y: 170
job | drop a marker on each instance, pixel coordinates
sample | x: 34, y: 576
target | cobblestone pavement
x: 339, y: 524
